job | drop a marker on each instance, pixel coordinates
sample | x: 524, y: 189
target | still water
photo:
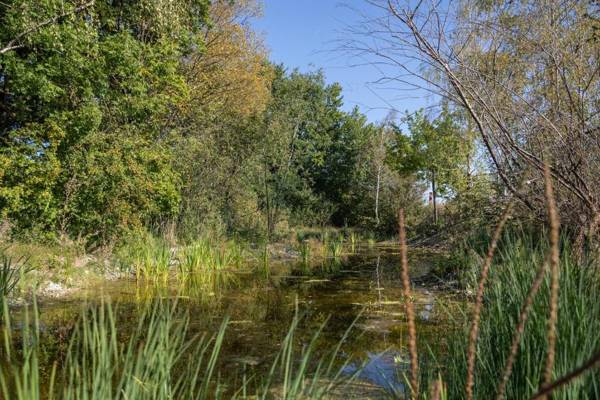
x: 361, y: 290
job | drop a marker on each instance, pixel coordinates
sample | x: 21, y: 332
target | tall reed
x: 336, y: 247
x: 149, y: 257
x: 594, y: 361
x: 554, y: 276
x: 205, y: 255
x: 410, y: 312
x: 354, y: 238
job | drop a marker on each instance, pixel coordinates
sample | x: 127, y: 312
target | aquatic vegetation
x: 205, y: 268
x: 262, y: 266
x: 329, y: 266
x: 305, y: 251
x: 147, y: 256
x: 152, y: 262
x: 160, y: 360
x: 20, y: 379
x: 11, y: 272
x: 336, y: 247
x: 325, y: 243
x: 354, y: 238
x: 551, y: 340
x: 205, y: 255
x: 291, y: 375
x: 152, y: 258
x: 317, y: 257
x: 98, y: 366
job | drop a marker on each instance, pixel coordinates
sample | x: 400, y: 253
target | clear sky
x: 302, y: 34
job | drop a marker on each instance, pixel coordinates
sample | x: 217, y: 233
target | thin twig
x: 410, y: 312
x: 589, y: 364
x: 474, y: 332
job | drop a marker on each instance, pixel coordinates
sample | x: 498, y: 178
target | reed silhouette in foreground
x: 410, y: 312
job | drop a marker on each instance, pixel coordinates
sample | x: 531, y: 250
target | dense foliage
x: 124, y: 116
x: 85, y: 128
x: 167, y: 116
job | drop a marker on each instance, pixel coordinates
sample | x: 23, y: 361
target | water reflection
x: 261, y: 306
x: 383, y: 369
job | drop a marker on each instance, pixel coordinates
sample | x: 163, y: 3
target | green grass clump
x: 305, y: 251
x: 150, y: 365
x: 153, y: 261
x: 11, y: 273
x: 205, y: 255
x: 336, y: 247
x: 147, y: 256
x: 206, y: 267
x: 577, y: 330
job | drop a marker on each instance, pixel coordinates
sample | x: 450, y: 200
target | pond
x: 362, y: 291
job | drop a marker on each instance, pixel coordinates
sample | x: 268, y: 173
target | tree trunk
x: 434, y: 195
x: 268, y: 204
x: 377, y: 195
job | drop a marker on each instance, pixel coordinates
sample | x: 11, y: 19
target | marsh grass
x: 523, y: 340
x: 205, y: 255
x: 354, y: 239
x: 149, y: 258
x: 515, y: 269
x: 296, y: 373
x: 263, y: 265
x: 305, y: 251
x: 324, y: 256
x: 153, y: 259
x: 159, y: 359
x: 11, y: 273
x: 336, y: 247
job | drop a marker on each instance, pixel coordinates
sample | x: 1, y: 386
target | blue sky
x: 302, y: 34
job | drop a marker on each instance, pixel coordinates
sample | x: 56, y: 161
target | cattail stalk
x: 437, y: 389
x: 474, y: 332
x: 410, y: 312
x: 554, y: 271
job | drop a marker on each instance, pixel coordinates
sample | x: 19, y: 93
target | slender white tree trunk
x: 377, y: 194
